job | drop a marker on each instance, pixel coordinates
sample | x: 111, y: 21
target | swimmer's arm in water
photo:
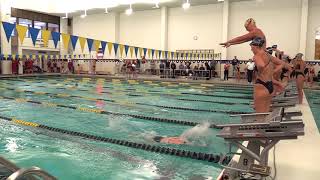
x: 240, y: 39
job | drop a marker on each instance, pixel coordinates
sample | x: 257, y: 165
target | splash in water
x: 12, y: 145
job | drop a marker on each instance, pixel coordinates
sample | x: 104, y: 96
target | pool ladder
x: 9, y: 171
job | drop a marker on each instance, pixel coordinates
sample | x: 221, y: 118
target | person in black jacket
x: 173, y: 67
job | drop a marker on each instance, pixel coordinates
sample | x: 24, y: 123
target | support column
x: 225, y: 29
x: 5, y: 11
x: 164, y: 28
x: 303, y: 26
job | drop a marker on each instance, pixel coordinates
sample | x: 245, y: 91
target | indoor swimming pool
x: 313, y: 97
x: 45, y: 120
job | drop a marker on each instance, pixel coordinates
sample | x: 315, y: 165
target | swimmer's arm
x: 242, y: 39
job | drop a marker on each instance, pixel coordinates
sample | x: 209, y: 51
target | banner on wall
x: 21, y: 30
x: 74, y: 40
x: 34, y: 32
x: 103, y: 46
x: 121, y: 47
x: 82, y: 42
x: 131, y: 51
x: 45, y: 37
x: 89, y: 43
x: 110, y: 45
x: 126, y: 49
x: 55, y: 38
x: 136, y: 49
x: 96, y: 44
x: 115, y: 47
x: 8, y: 29
x: 66, y: 40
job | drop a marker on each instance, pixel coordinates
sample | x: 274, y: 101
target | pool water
x: 68, y: 157
x: 313, y: 97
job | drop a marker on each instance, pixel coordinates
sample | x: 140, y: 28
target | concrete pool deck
x: 298, y: 159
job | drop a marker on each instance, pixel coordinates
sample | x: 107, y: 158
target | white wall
x: 313, y: 24
x: 279, y: 19
x: 202, y: 21
x: 141, y: 29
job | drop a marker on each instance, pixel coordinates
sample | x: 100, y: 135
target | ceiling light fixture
x: 106, y: 11
x: 220, y: 0
x: 129, y: 11
x: 66, y: 17
x: 156, y: 6
x: 84, y: 15
x: 186, y: 5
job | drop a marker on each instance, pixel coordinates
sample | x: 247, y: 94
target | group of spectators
x: 170, y: 69
x: 58, y: 66
x: 249, y: 70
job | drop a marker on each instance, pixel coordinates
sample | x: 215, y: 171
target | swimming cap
x: 249, y: 21
x: 257, y: 41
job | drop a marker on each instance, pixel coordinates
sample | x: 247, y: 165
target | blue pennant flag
x: 172, y: 55
x: 34, y: 34
x: 8, y: 29
x: 145, y: 51
x: 1, y: 56
x: 187, y: 54
x: 55, y: 38
x: 136, y: 49
x: 103, y: 46
x: 90, y: 43
x: 115, y: 46
x: 166, y: 54
x: 152, y: 52
x: 74, y: 40
x: 79, y: 55
x: 126, y: 49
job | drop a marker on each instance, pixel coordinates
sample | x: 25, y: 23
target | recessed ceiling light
x: 186, y: 5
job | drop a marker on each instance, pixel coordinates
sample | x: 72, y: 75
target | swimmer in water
x: 170, y: 140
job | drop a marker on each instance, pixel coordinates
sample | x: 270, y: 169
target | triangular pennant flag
x: 141, y: 51
x: 131, y: 50
x: 160, y: 54
x: 66, y: 40
x: 45, y: 56
x: 126, y: 49
x: 136, y: 49
x: 145, y: 52
x: 96, y: 45
x: 166, y: 54
x: 157, y: 54
x: 22, y: 30
x: 149, y: 53
x: 8, y: 28
x: 82, y: 42
x: 13, y: 57
x: 172, y: 55
x: 110, y: 45
x: 45, y: 37
x: 74, y: 40
x: 115, y: 47
x: 90, y: 43
x: 55, y: 38
x: 103, y: 46
x: 121, y: 49
x: 34, y: 32
x: 152, y: 53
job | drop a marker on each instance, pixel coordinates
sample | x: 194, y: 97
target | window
x: 41, y: 26
x: 26, y: 22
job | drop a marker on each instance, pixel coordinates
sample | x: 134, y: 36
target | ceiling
x: 75, y: 8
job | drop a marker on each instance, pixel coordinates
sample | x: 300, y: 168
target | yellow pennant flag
x: 110, y: 45
x: 121, y: 46
x: 157, y: 53
x: 45, y: 37
x: 13, y: 57
x: 131, y: 50
x: 175, y: 55
x: 45, y: 56
x: 22, y: 30
x: 96, y: 45
x: 149, y: 53
x: 141, y: 52
x: 66, y: 40
x: 82, y: 42
x: 5, y: 56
